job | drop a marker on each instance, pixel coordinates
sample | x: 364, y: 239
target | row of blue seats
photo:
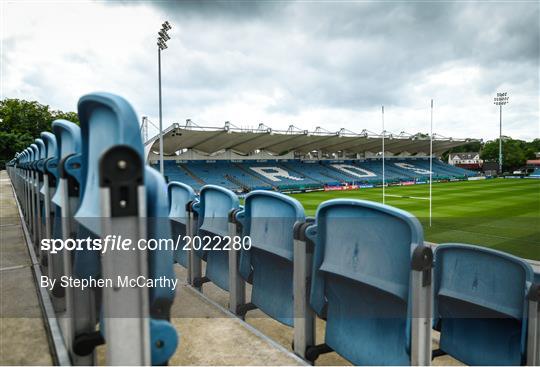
x: 369, y: 277
x: 91, y: 182
x: 295, y: 174
x: 361, y: 266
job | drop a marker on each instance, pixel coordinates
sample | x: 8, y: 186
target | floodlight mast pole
x: 161, y: 168
x: 163, y: 37
x: 500, y: 140
x: 500, y: 100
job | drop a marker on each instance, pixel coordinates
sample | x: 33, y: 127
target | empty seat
x: 362, y: 283
x: 481, y: 304
x: 38, y: 148
x: 212, y: 210
x: 180, y: 195
x: 65, y: 167
x: 66, y: 196
x: 117, y: 191
x: 49, y: 180
x: 268, y: 219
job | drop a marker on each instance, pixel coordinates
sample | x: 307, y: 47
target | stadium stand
x: 284, y: 175
x: 535, y: 173
x: 360, y: 266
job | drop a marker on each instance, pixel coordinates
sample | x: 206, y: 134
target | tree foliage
x: 515, y: 152
x: 22, y: 121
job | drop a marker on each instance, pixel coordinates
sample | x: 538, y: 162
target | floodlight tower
x: 500, y: 100
x: 163, y: 37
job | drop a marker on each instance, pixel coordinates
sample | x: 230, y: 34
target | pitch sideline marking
x: 406, y: 197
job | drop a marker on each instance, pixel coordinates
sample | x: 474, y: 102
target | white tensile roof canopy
x: 209, y: 140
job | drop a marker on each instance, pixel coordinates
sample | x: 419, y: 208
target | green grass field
x: 503, y: 214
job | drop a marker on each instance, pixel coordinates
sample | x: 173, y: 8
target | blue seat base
x: 478, y: 336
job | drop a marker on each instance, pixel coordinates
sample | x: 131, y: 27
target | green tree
x: 514, y: 153
x: 22, y: 121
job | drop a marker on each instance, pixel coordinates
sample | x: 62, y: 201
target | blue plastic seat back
x: 68, y: 138
x: 25, y: 157
x: 361, y: 279
x: 50, y: 144
x: 179, y: 195
x: 160, y: 261
x: 40, y: 165
x: 35, y: 154
x: 268, y: 219
x: 31, y: 153
x: 106, y: 120
x: 68, y: 142
x: 51, y: 150
x: 42, y: 152
x: 480, y: 304
x: 213, y: 208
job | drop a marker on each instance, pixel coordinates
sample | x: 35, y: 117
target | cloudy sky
x: 308, y: 63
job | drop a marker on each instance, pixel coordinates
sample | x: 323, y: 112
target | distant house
x: 468, y: 160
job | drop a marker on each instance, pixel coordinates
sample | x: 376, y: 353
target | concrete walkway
x: 23, y: 339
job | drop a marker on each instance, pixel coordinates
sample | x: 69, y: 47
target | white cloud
x: 307, y: 64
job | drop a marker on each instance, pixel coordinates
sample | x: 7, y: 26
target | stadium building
x: 243, y: 160
x: 216, y: 281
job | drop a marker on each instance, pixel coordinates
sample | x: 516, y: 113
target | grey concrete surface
x: 282, y: 334
x: 23, y: 339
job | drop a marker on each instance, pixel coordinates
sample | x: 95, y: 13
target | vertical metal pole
x: 194, y: 262
x: 383, y: 178
x: 161, y: 169
x: 304, y: 317
x: 430, y: 162
x: 422, y: 306
x: 500, y: 140
x: 237, y: 287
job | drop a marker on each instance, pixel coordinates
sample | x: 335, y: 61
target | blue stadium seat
x: 174, y: 172
x: 109, y: 129
x: 39, y: 170
x: 212, y: 209
x: 68, y: 137
x: 180, y: 195
x: 39, y: 154
x: 481, y: 304
x: 47, y: 179
x: 65, y: 168
x: 361, y: 281
x: 268, y: 219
